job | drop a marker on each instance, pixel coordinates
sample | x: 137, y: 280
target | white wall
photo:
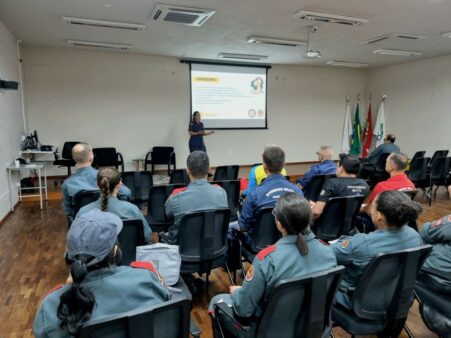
x: 11, y: 120
x: 418, y: 105
x: 135, y: 102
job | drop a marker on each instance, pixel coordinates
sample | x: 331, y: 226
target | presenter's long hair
x: 107, y: 181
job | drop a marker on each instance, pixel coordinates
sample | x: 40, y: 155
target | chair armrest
x: 194, y: 330
x: 221, y: 309
x: 55, y: 153
x: 171, y: 157
x: 120, y: 159
x: 148, y: 155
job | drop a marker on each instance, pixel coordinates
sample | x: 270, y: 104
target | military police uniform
x: 83, y: 179
x: 357, y: 251
x: 327, y: 167
x: 123, y: 209
x: 271, y: 265
x: 196, y: 142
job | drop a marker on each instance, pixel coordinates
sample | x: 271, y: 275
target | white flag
x: 380, y: 128
x: 347, y: 130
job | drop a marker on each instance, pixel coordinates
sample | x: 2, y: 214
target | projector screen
x: 229, y: 96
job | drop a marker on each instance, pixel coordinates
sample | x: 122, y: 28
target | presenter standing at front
x: 197, y: 133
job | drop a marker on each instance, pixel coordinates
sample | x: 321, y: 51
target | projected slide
x: 229, y: 96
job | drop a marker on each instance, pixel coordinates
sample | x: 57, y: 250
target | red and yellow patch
x: 250, y: 274
x: 345, y: 243
x: 437, y: 223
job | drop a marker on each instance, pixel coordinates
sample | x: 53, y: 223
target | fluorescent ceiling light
x: 330, y: 18
x: 103, y: 23
x: 80, y: 43
x: 398, y: 37
x: 396, y: 52
x: 347, y: 64
x: 447, y: 35
x: 242, y: 56
x: 274, y: 41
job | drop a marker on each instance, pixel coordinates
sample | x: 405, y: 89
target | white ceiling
x: 38, y: 23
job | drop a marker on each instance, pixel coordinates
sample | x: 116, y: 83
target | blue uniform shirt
x: 83, y: 179
x: 357, y: 251
x: 326, y: 167
x: 264, y: 195
x: 196, y: 140
x: 123, y: 209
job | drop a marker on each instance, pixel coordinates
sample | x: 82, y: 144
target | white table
x: 43, y: 155
x: 39, y: 167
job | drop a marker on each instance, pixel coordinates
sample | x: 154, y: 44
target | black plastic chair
x: 232, y: 188
x: 80, y: 199
x: 439, y: 173
x: 179, y: 176
x: 139, y: 183
x: 313, y: 189
x: 418, y: 154
x: 202, y: 240
x: 383, y: 295
x: 297, y: 307
x: 419, y: 175
x: 170, y: 319
x: 107, y: 157
x: 160, y: 155
x: 379, y: 173
x: 226, y: 173
x: 437, y: 154
x: 66, y: 159
x: 131, y: 236
x: 156, y: 215
x: 338, y: 217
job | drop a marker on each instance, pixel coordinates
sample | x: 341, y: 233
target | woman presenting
x: 197, y: 133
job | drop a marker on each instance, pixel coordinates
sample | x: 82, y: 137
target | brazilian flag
x: 356, y: 146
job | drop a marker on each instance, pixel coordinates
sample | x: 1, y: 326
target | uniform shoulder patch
x: 250, y: 273
x: 437, y: 224
x: 59, y: 286
x: 177, y: 191
x: 345, y: 243
x: 265, y: 252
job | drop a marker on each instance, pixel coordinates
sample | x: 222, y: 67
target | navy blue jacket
x: 326, y: 167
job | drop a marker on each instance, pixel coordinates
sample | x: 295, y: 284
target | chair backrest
x: 385, y: 290
x: 418, y: 154
x: 232, y: 188
x: 157, y: 198
x: 202, y: 235
x: 105, y: 157
x: 438, y: 153
x: 226, y: 173
x: 179, y: 176
x: 313, y: 189
x: 380, y: 164
x: 439, y: 170
x: 265, y: 230
x: 300, y: 307
x: 67, y: 149
x: 131, y: 236
x: 338, y: 217
x: 161, y: 155
x: 139, y: 183
x: 84, y: 197
x: 169, y: 319
x: 418, y: 169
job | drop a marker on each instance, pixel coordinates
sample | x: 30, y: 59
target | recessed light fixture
x: 274, y: 41
x: 447, y: 35
x: 241, y: 56
x: 103, y: 23
x: 396, y: 52
x: 104, y: 45
x: 346, y: 64
x: 330, y: 18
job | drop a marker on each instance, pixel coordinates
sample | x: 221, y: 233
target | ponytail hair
x: 107, y: 180
x: 397, y: 207
x: 294, y: 214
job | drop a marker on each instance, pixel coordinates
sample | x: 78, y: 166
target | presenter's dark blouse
x: 196, y: 142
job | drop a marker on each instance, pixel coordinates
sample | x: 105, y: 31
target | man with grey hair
x: 85, y: 178
x: 199, y: 195
x: 326, y: 166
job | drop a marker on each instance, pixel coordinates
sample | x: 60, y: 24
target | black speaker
x: 9, y: 85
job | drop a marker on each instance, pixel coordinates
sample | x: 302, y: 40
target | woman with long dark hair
x: 98, y: 286
x: 197, y: 132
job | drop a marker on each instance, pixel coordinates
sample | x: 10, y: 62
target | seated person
x: 344, y: 185
x: 268, y: 192
x: 199, y: 195
x: 325, y: 167
x: 390, y: 212
x: 256, y: 177
x: 388, y: 146
x: 396, y: 165
x: 84, y: 178
x: 296, y: 254
x: 109, y: 182
x: 96, y: 286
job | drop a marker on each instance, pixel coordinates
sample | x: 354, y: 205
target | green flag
x: 356, y: 146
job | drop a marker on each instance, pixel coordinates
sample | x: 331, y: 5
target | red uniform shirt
x: 397, y: 182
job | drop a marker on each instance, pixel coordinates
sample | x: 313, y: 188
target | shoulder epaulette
x: 55, y: 288
x: 148, y: 266
x: 265, y: 252
x: 177, y: 191
x: 321, y: 241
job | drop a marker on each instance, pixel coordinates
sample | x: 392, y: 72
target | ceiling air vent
x: 102, y: 45
x: 393, y: 38
x: 181, y: 15
x: 103, y: 23
x: 273, y: 41
x: 330, y: 18
x: 241, y: 56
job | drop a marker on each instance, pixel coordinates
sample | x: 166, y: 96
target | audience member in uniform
x: 268, y: 192
x: 390, y: 212
x: 199, y: 195
x: 84, y: 178
x: 388, y: 146
x: 344, y: 185
x: 98, y: 286
x: 296, y: 254
x: 326, y: 166
x: 109, y: 182
x: 256, y: 176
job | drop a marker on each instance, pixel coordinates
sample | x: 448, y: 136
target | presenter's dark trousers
x: 194, y: 148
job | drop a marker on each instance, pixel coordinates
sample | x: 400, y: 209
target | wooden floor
x: 32, y: 244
